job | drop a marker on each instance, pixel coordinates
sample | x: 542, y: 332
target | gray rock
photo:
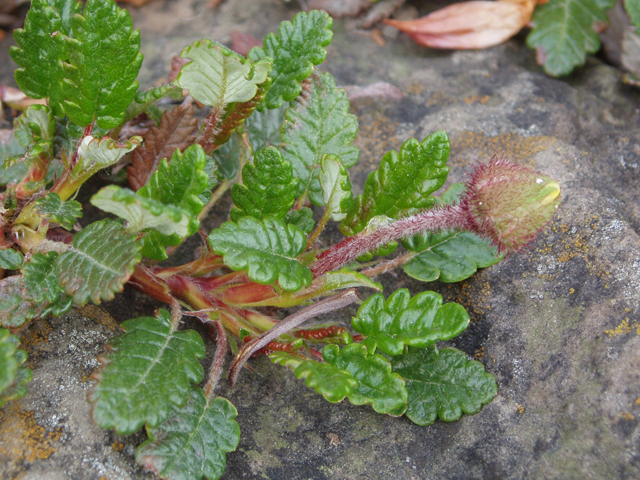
x: 558, y: 324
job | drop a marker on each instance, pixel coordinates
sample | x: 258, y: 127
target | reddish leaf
x: 469, y: 25
x: 243, y: 42
x: 176, y: 131
x: 219, y: 125
x: 176, y: 65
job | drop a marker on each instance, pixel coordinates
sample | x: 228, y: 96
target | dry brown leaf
x: 469, y: 25
x: 176, y: 131
x: 379, y: 89
x: 16, y: 99
x: 243, y: 42
x: 340, y: 8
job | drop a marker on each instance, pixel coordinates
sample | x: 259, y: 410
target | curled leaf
x: 469, y: 25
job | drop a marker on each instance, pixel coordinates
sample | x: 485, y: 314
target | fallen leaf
x: 16, y: 99
x: 135, y: 3
x: 469, y: 25
x: 379, y: 89
x: 243, y: 42
x: 340, y: 8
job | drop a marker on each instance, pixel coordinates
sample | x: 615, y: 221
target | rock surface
x: 557, y: 324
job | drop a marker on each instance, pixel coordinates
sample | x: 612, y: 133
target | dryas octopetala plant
x: 283, y: 127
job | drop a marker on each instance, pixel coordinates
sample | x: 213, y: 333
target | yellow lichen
x: 22, y: 439
x: 520, y: 408
x: 624, y: 328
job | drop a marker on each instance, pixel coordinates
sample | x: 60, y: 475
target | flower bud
x: 509, y: 203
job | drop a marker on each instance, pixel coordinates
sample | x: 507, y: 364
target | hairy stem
x: 327, y: 305
x: 448, y: 217
x: 389, y: 265
x: 222, y: 345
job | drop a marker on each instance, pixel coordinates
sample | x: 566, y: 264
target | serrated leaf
x: 301, y: 218
x: 263, y: 128
x: 10, y: 259
x: 269, y: 187
x: 100, y: 262
x: 298, y: 46
x: 217, y: 76
x: 65, y: 213
x: 565, y: 31
x: 95, y: 154
x: 102, y: 65
x: 404, y: 180
x: 180, y: 184
x: 327, y: 380
x: 41, y: 284
x: 319, y: 123
x: 449, y: 256
x: 13, y: 377
x: 442, y: 383
x: 401, y: 320
x: 140, y: 212
x: 211, y: 169
x: 227, y: 157
x: 144, y: 101
x: 377, y: 384
x: 39, y: 51
x: 633, y: 9
x: 15, y: 311
x: 267, y: 249
x: 192, y: 443
x: 336, y: 187
x: 146, y: 372
x: 8, y: 362
x: 175, y: 132
x: 285, y: 359
x: 11, y: 148
x: 35, y: 125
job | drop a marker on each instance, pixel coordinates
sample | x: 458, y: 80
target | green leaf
x: 285, y: 359
x: 10, y: 259
x: 180, y: 184
x: 144, y: 100
x: 146, y: 372
x: 336, y: 187
x: 13, y: 377
x: 192, y: 443
x: 328, y: 380
x: 102, y: 65
x: 633, y: 9
x: 39, y: 51
x: 217, y: 76
x: 15, y: 311
x: 35, y: 125
x: 301, y: 218
x: 269, y: 187
x: 401, y: 320
x: 263, y: 128
x: 442, y: 383
x: 565, y: 31
x: 100, y: 262
x: 15, y: 173
x: 298, y: 46
x: 64, y: 213
x: 227, y: 158
x: 377, y: 384
x: 450, y: 256
x: 404, y: 181
x: 95, y: 154
x: 319, y: 123
x: 267, y: 249
x: 41, y: 285
x: 142, y: 213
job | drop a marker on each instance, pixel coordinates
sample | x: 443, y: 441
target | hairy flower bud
x: 509, y: 203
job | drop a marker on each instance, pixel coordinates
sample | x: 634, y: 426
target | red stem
x: 448, y: 217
